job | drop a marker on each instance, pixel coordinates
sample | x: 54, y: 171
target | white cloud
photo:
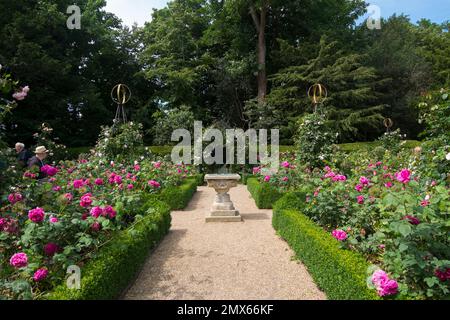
x: 131, y: 11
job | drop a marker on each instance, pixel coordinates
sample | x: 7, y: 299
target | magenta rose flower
x: 364, y: 181
x: 359, y: 187
x: 54, y: 220
x: 157, y: 165
x: 77, y: 184
x: 19, y: 260
x: 360, y: 199
x: 285, y: 164
x: 110, y: 212
x: 96, y: 226
x: 154, y: 184
x: 96, y: 212
x: 413, y: 220
x: 36, y: 215
x: 339, y: 235
x: 388, y: 288
x: 86, y: 200
x: 50, y: 249
x: 267, y: 178
x: 99, y: 182
x: 404, y: 176
x: 40, y: 275
x: 49, y: 170
x: 256, y: 170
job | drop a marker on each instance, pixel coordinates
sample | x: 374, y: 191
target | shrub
x: 264, y: 194
x: 340, y: 273
x: 178, y: 197
x: 314, y: 140
x: 116, y: 265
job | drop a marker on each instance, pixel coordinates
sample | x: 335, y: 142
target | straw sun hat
x: 40, y: 150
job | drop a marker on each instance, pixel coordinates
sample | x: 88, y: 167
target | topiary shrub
x: 264, y: 194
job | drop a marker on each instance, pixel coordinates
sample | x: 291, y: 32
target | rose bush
x: 49, y: 225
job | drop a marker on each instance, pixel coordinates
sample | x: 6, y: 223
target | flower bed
x: 339, y: 273
x: 106, y: 276
x: 81, y: 210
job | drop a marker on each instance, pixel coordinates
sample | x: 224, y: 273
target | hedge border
x: 178, y: 197
x: 116, y: 265
x: 341, y: 274
x: 264, y: 194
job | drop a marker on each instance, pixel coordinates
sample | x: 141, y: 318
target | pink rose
x: 390, y: 287
x: 404, y: 176
x: 364, y: 181
x: 388, y: 184
x: 96, y: 212
x: 359, y: 187
x: 256, y: 170
x: 49, y: 170
x: 98, y: 182
x: 360, y: 199
x: 285, y: 164
x: 68, y: 196
x: 13, y: 198
x: 19, y: 260
x: 50, y: 249
x: 56, y: 188
x: 40, y: 275
x: 77, y: 184
x: 96, y: 226
x: 157, y: 165
x: 412, y: 220
x: 154, y: 184
x: 267, y: 178
x: 379, y: 277
x: 54, y: 220
x: 110, y: 212
x: 86, y: 200
x: 339, y: 235
x: 130, y: 186
x: 36, y: 215
x: 285, y: 179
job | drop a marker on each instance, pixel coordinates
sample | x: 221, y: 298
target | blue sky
x: 436, y: 10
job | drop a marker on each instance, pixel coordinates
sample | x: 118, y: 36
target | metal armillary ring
x: 388, y: 123
x: 318, y: 94
x: 121, y: 94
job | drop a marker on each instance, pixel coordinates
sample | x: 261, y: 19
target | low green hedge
x: 357, y: 146
x: 116, y: 264
x: 340, y: 273
x: 178, y: 197
x: 264, y: 194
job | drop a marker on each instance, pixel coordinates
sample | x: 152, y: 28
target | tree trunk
x: 260, y: 24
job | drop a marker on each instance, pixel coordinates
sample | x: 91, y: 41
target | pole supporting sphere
x: 388, y: 123
x: 318, y: 94
x: 121, y: 95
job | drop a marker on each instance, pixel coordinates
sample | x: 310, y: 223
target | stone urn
x: 223, y: 209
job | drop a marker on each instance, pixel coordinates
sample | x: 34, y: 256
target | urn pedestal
x: 223, y: 209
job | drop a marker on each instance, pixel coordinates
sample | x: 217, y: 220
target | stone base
x: 235, y: 218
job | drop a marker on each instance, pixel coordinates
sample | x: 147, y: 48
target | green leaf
x: 404, y: 229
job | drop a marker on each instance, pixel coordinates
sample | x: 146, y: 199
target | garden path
x: 223, y: 261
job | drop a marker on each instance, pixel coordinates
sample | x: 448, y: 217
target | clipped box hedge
x: 178, y: 197
x: 264, y: 194
x: 340, y: 273
x: 115, y: 266
x: 107, y: 275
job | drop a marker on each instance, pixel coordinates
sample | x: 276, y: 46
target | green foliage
x: 120, y: 142
x: 168, y: 122
x: 45, y: 138
x: 264, y: 194
x: 351, y: 84
x: 392, y: 141
x: 106, y: 276
x: 341, y: 274
x: 314, y: 140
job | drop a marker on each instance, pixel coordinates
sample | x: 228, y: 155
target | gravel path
x: 223, y: 261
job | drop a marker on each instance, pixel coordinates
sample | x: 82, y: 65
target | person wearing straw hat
x: 38, y: 160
